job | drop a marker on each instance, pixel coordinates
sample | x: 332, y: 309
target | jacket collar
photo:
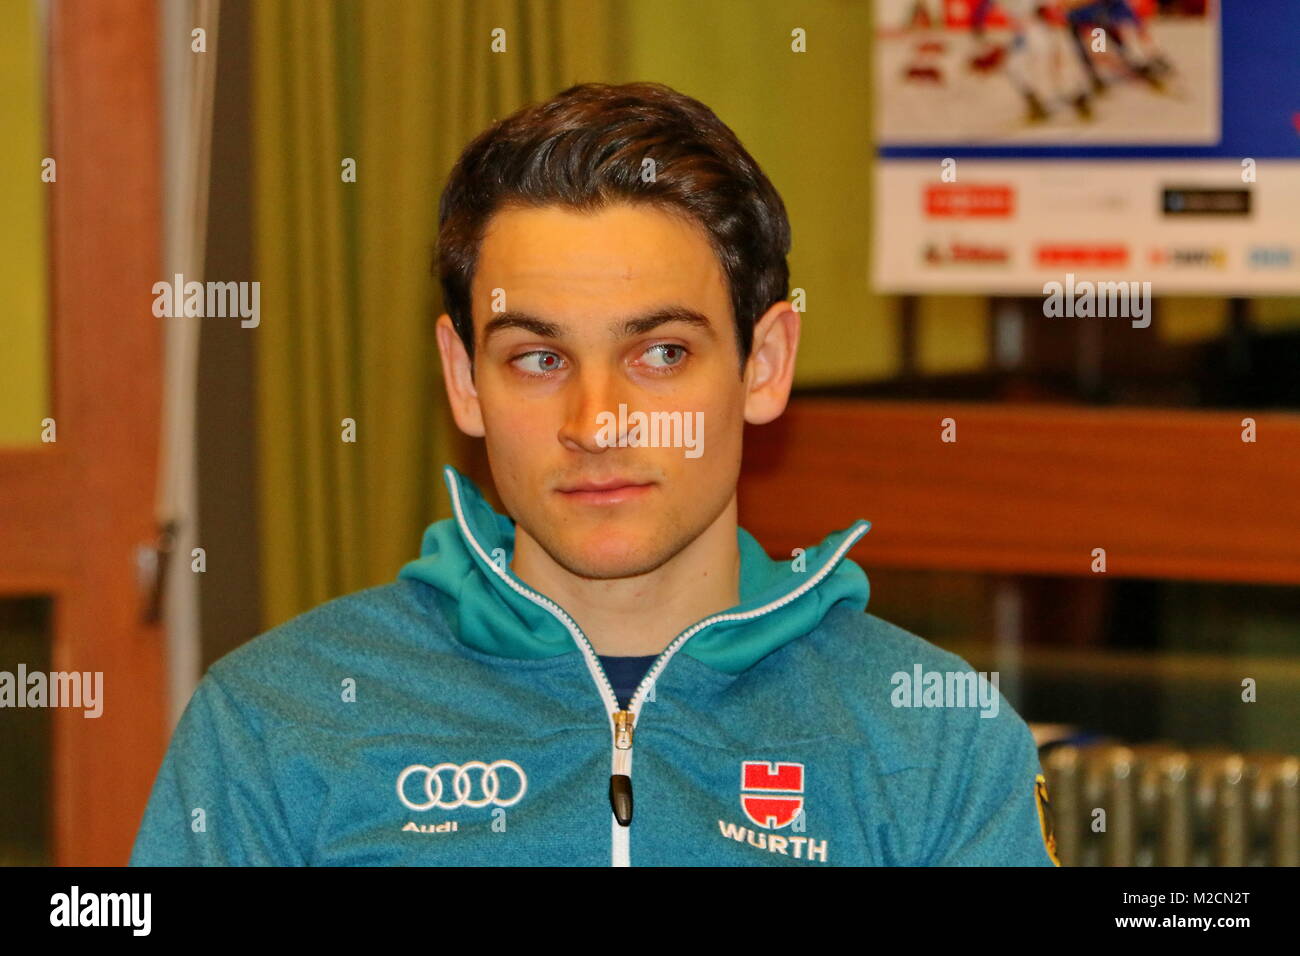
x: 466, y: 560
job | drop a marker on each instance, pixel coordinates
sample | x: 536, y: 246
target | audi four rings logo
x: 463, y: 779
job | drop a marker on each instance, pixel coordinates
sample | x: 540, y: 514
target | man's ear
x: 457, y: 374
x: 769, y: 371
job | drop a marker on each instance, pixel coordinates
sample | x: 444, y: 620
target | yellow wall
x: 806, y: 118
x: 24, y: 372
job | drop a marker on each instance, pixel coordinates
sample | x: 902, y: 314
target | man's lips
x: 608, y: 491
x: 605, y: 484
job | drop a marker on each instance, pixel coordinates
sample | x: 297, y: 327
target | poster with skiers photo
x: 987, y: 72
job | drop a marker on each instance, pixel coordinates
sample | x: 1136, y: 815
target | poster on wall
x: 1020, y: 140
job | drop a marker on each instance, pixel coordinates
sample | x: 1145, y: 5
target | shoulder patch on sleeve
x: 1045, y: 817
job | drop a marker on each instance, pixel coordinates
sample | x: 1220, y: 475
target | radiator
x: 1169, y: 807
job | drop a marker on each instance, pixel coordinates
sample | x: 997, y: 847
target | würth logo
x: 771, y: 793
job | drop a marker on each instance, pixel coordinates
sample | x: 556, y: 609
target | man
x: 1133, y: 42
x: 614, y: 269
x: 1039, y: 65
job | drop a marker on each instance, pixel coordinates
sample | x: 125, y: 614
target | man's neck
x: 637, y: 616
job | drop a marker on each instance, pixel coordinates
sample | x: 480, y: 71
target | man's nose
x: 591, y: 419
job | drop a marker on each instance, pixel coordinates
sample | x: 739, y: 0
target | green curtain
x: 348, y: 300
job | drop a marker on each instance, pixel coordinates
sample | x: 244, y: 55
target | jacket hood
x: 466, y: 560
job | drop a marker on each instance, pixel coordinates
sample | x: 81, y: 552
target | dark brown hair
x: 585, y: 148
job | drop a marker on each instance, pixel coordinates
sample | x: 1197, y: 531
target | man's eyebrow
x: 514, y: 319
x: 672, y: 313
x: 521, y: 320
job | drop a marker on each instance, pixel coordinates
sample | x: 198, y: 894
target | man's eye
x: 538, y: 363
x: 669, y: 353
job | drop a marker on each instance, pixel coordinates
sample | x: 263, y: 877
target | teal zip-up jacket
x: 458, y: 717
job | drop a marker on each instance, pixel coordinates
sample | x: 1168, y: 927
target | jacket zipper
x: 623, y: 722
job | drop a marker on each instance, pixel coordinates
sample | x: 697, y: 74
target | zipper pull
x: 620, y: 784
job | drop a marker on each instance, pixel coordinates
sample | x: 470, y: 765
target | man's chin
x: 605, y: 557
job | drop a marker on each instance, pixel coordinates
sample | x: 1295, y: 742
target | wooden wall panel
x: 82, y: 506
x: 1032, y: 488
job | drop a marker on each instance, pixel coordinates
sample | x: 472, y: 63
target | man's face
x: 598, y: 311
